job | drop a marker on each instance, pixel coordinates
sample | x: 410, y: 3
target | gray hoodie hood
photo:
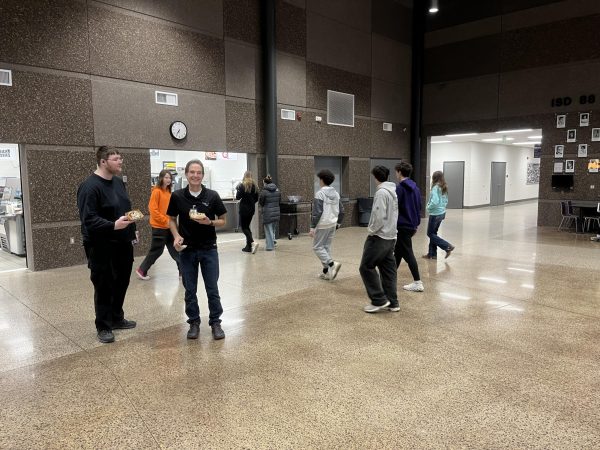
x: 384, y: 215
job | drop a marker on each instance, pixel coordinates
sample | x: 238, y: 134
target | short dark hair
x: 404, y: 168
x: 381, y: 173
x: 104, y: 152
x: 193, y: 161
x: 327, y: 176
x: 267, y: 179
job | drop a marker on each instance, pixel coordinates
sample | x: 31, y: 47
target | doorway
x: 498, y: 184
x: 454, y: 173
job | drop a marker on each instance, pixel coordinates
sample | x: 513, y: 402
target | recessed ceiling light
x: 526, y: 143
x: 523, y: 130
x: 433, y: 6
x: 492, y: 140
x: 440, y: 142
x: 461, y: 134
x: 534, y: 137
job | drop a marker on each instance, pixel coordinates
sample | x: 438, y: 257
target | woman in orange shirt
x: 159, y: 221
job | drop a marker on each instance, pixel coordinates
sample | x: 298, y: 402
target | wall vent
x: 166, y: 98
x: 387, y: 126
x: 288, y: 114
x: 340, y: 109
x: 5, y: 77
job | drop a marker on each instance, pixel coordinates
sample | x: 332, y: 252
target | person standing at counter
x: 107, y: 239
x: 159, y: 221
x: 247, y: 193
x: 269, y: 199
x: 199, y: 211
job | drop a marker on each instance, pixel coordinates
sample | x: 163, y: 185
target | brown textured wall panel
x: 391, y: 19
x: 51, y: 33
x: 555, y: 43
x: 206, y: 15
x: 291, y: 80
x: 242, y: 70
x: 390, y: 101
x: 390, y: 144
x: 320, y: 78
x: 242, y: 20
x: 298, y: 179
x: 46, y: 109
x: 480, y: 56
x: 355, y: 13
x: 290, y: 28
x: 360, y: 173
x: 141, y: 122
x: 241, y: 127
x: 131, y: 48
x: 51, y: 248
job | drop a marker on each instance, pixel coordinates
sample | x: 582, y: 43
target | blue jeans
x: 269, y: 235
x: 434, y: 240
x: 208, y: 260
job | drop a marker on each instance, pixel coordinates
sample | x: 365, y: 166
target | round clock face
x: 178, y: 130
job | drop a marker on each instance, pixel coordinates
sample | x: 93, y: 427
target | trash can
x: 365, y: 205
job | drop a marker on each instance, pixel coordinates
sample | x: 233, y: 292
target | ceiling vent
x: 5, y: 77
x: 166, y: 98
x: 340, y: 109
x: 387, y: 126
x: 288, y: 114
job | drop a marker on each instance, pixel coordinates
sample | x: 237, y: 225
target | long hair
x: 438, y: 178
x: 161, y: 177
x: 247, y: 181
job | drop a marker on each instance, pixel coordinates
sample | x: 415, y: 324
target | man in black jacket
x: 107, y: 238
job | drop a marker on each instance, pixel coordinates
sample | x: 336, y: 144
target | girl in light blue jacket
x: 436, y: 207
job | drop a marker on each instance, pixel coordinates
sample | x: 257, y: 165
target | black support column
x: 416, y: 103
x: 269, y: 86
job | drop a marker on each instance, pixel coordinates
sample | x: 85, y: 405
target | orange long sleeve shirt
x: 159, y: 201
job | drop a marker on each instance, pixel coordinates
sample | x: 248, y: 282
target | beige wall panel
x: 291, y: 80
x: 333, y: 44
x: 126, y: 115
x: 206, y: 15
x: 462, y: 100
x: 242, y: 70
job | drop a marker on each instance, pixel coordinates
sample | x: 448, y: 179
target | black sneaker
x: 106, y: 336
x: 247, y: 249
x: 194, y: 330
x: 124, y: 324
x: 217, y: 331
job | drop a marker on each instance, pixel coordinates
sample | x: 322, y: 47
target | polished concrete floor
x: 502, y: 350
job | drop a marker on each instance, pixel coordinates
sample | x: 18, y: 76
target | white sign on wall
x: 8, y: 151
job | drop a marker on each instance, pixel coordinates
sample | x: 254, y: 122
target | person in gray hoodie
x: 269, y: 199
x: 327, y: 215
x: 378, y: 252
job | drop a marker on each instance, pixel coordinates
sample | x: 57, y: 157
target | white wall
x: 478, y: 157
x: 9, y: 161
x: 219, y: 173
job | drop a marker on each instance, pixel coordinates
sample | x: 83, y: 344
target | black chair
x: 568, y: 216
x: 587, y: 220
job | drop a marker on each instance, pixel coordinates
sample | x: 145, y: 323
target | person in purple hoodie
x: 409, y: 218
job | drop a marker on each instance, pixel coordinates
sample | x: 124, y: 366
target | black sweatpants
x: 110, y: 265
x: 378, y: 253
x: 245, y: 219
x: 161, y: 237
x: 404, y: 250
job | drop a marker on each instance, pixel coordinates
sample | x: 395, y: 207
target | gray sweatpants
x: 322, y: 244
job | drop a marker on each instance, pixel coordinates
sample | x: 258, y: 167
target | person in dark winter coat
x: 269, y: 199
x: 247, y: 193
x: 409, y: 218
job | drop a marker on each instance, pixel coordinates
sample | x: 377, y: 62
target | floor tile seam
x: 131, y: 402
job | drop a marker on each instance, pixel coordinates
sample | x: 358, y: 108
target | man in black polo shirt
x: 197, y: 240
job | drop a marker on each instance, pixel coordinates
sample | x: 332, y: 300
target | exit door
x: 454, y: 174
x: 498, y: 184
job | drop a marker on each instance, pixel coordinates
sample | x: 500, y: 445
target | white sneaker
x: 393, y: 308
x: 373, y: 309
x: 415, y: 286
x: 141, y: 275
x: 254, y: 247
x: 333, y: 270
x: 324, y: 276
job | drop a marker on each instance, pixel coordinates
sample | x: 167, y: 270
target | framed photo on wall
x: 558, y: 166
x: 582, y: 150
x: 570, y: 166
x: 595, y: 134
x: 572, y: 136
x: 584, y: 119
x: 593, y: 165
x: 561, y: 120
x: 559, y: 151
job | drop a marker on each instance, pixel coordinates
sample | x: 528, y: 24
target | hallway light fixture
x: 526, y: 143
x: 523, y: 130
x: 461, y: 134
x: 433, y: 6
x: 534, y: 137
x: 498, y: 139
x: 440, y: 142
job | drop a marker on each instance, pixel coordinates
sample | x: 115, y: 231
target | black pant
x: 161, y: 237
x: 381, y: 287
x: 245, y: 219
x: 110, y: 265
x: 403, y: 250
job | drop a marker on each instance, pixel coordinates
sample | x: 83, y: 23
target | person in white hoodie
x: 327, y: 216
x: 378, y: 252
